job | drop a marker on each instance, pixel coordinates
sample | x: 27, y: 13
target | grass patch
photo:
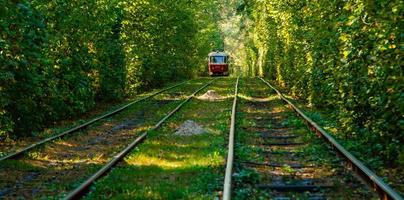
x: 168, y: 166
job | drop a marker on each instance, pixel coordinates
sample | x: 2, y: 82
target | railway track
x: 277, y: 158
x: 173, y: 164
x: 80, y: 190
x: 55, y: 168
x: 81, y: 126
x: 271, y: 154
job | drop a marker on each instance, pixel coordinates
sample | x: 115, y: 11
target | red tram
x: 218, y: 63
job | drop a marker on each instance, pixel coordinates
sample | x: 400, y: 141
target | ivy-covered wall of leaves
x: 59, y: 58
x: 346, y: 56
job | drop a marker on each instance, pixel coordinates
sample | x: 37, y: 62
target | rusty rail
x: 84, y: 125
x: 83, y: 188
x: 230, y: 155
x: 374, y: 181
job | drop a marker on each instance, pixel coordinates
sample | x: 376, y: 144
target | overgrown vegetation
x: 61, y: 166
x: 344, y: 56
x: 262, y: 116
x: 58, y: 58
x: 171, y: 166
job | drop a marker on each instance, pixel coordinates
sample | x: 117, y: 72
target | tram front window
x: 218, y: 59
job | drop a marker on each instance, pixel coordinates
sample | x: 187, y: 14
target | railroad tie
x: 294, y: 187
x: 277, y: 164
x: 283, y: 137
x: 283, y: 143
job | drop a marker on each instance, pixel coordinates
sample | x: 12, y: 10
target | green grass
x: 245, y: 179
x: 167, y: 166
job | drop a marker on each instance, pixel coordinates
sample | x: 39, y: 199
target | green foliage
x: 343, y: 55
x: 23, y: 67
x: 163, y: 40
x: 246, y: 180
x: 153, y: 32
x: 58, y: 58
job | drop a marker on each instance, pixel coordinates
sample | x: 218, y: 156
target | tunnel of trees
x: 59, y: 58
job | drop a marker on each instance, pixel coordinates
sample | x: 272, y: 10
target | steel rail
x: 230, y: 155
x: 84, y: 125
x: 83, y: 188
x: 374, y: 181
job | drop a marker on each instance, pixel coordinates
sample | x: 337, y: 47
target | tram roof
x: 216, y: 53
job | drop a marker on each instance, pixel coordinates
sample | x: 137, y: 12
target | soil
x: 211, y: 95
x: 188, y: 128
